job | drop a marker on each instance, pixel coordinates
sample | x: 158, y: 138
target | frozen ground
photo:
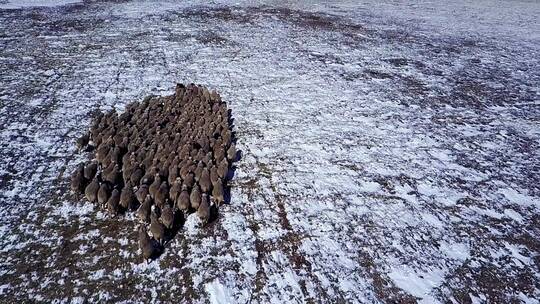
x: 391, y: 150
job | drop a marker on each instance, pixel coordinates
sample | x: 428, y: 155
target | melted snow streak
x: 390, y: 150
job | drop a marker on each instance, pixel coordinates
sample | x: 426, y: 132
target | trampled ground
x: 390, y: 150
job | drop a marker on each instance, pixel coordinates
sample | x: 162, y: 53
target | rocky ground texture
x: 390, y: 150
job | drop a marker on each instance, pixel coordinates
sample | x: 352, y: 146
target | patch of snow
x: 4, y: 287
x: 218, y: 293
x: 419, y: 284
x: 123, y: 241
x: 527, y: 300
x: 69, y: 209
x: 457, y: 251
x: 515, y: 251
x: 192, y: 224
x: 11, y: 4
x: 97, y: 275
x: 518, y: 197
x: 370, y: 187
x: 511, y: 213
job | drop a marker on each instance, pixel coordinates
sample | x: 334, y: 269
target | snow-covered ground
x: 390, y: 150
x: 16, y: 4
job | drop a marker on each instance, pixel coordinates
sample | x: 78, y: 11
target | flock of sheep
x: 164, y: 157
